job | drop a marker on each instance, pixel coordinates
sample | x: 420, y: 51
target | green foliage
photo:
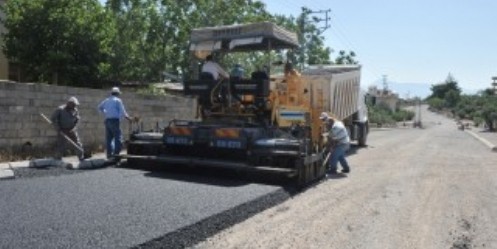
x: 76, y: 42
x: 344, y: 58
x: 403, y: 115
x: 382, y: 114
x: 479, y: 108
x: 448, y: 92
x: 151, y: 90
x: 379, y: 116
x: 436, y: 103
x: 452, y: 98
x: 153, y: 35
x: 488, y: 111
x: 312, y: 50
x: 62, y: 41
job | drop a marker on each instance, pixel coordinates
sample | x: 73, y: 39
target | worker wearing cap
x: 65, y: 120
x: 210, y: 66
x: 337, y: 133
x: 237, y: 72
x: 113, y: 110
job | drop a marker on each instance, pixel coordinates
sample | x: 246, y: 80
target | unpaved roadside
x: 412, y: 188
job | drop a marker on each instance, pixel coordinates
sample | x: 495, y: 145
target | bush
x: 403, y: 115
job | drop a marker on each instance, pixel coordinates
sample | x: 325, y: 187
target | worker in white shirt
x: 337, y: 133
x: 214, y: 69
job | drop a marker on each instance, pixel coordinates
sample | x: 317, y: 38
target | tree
x: 76, y: 42
x: 488, y: 111
x: 312, y: 50
x: 441, y: 89
x: 436, y: 103
x: 452, y: 98
x: 60, y: 42
x: 448, y: 91
x: 344, y: 58
x: 479, y: 108
x: 487, y: 92
x: 157, y: 32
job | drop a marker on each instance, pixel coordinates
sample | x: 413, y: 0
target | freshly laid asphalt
x: 123, y: 208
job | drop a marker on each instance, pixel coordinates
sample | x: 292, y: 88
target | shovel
x: 86, y: 154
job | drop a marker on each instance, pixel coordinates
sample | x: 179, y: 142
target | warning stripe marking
x: 181, y: 131
x: 227, y: 133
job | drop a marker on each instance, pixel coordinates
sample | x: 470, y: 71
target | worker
x: 65, y: 120
x: 237, y: 72
x: 339, y: 139
x: 113, y: 110
x: 214, y: 69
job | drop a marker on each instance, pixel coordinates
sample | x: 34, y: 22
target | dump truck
x: 268, y: 121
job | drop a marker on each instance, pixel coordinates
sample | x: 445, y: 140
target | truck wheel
x: 320, y: 169
x: 363, y: 134
x: 302, y: 176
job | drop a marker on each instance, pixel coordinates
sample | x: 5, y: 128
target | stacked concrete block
x: 22, y: 103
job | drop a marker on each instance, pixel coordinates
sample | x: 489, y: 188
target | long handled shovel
x: 85, y: 154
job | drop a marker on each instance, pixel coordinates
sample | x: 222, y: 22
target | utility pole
x: 302, y: 41
x: 494, y: 84
x: 302, y: 23
x: 325, y: 19
x: 385, y: 83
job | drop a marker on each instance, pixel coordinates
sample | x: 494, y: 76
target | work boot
x: 331, y: 173
x: 345, y: 170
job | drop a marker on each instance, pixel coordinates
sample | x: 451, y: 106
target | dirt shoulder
x: 411, y: 188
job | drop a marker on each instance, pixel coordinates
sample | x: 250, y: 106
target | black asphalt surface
x: 124, y: 207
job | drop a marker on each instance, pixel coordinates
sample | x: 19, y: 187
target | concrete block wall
x: 22, y: 103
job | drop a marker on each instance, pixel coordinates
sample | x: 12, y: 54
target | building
x: 384, y: 97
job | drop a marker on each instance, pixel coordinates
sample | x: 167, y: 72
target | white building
x: 384, y: 97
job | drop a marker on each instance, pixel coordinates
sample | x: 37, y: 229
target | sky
x: 411, y: 41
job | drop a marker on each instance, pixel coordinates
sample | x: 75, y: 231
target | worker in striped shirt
x: 337, y: 133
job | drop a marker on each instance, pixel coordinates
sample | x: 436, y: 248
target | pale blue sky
x: 418, y: 41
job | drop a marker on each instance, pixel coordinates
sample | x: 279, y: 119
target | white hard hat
x: 324, y: 116
x: 115, y: 90
x: 73, y: 100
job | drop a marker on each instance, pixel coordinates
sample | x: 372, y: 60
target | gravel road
x: 411, y: 188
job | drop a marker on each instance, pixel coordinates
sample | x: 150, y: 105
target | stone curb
x: 89, y: 164
x: 490, y: 145
x: 19, y: 164
x: 6, y: 174
x: 4, y: 166
x: 45, y: 162
x: 6, y: 171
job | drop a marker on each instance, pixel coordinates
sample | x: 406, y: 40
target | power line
x: 331, y: 21
x: 326, y: 19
